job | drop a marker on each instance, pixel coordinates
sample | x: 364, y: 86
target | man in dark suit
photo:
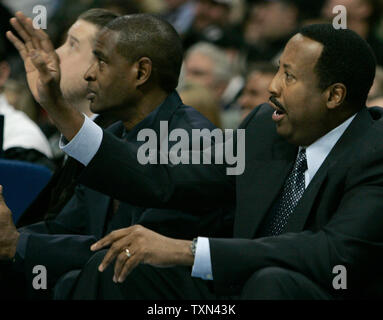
x: 89, y: 214
x: 308, y: 202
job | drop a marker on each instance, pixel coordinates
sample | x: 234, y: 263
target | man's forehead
x: 82, y: 27
x: 106, y: 38
x: 301, y: 50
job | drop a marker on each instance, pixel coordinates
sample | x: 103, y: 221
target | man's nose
x: 274, y: 87
x: 90, y: 73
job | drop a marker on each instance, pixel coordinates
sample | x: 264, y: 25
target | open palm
x: 40, y: 59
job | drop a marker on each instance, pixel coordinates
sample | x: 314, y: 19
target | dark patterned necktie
x: 292, y: 192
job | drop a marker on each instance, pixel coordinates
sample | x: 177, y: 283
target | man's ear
x: 143, y: 71
x: 5, y: 71
x: 335, y: 95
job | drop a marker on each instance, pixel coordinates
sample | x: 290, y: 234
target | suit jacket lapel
x: 354, y: 132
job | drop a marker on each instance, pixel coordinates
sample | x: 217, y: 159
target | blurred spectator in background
x: 180, y: 14
x: 212, y: 24
x: 375, y: 96
x: 256, y: 90
x: 246, y: 31
x: 209, y: 66
x: 213, y: 68
x: 268, y: 26
x: 23, y: 140
x: 363, y: 16
x: 201, y: 98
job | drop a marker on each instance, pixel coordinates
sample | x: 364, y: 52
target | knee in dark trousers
x: 145, y: 282
x: 275, y: 283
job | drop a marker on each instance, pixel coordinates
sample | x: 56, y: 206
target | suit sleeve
x: 353, y: 238
x: 115, y: 171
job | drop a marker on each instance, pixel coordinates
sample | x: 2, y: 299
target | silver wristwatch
x: 193, y: 246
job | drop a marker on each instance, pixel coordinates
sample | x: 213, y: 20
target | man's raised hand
x: 43, y: 74
x: 40, y: 60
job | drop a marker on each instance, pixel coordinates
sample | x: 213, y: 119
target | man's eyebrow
x: 99, y: 54
x: 73, y: 38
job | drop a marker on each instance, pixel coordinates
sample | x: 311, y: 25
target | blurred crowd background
x: 231, y: 47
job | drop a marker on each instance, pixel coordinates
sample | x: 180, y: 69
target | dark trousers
x: 146, y: 282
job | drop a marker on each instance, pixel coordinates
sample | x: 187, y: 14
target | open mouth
x: 279, y: 110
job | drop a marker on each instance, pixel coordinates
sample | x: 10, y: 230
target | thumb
x: 2, y: 200
x: 1, y: 194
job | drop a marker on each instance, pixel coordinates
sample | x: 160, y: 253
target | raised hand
x: 40, y: 59
x: 43, y: 74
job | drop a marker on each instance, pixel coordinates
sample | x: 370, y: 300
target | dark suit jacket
x: 338, y: 221
x: 62, y: 244
x: 60, y: 188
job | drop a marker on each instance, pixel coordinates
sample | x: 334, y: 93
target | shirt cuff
x: 85, y: 144
x: 202, y: 261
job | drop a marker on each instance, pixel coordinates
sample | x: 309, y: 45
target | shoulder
x: 187, y: 117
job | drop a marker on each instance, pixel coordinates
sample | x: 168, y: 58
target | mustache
x: 276, y: 102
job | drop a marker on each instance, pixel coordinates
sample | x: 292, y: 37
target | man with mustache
x: 309, y: 201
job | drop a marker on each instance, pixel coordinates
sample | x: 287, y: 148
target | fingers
x: 19, y: 45
x: 109, y: 257
x: 117, y: 247
x: 109, y: 239
x: 121, y: 260
x: 39, y: 38
x: 127, y: 268
x: 19, y: 25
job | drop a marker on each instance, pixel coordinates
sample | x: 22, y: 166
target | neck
x: 146, y: 104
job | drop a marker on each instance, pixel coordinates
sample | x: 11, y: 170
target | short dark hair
x: 99, y: 17
x: 346, y: 58
x: 146, y: 35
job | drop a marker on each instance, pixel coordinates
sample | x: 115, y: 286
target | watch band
x: 193, y: 246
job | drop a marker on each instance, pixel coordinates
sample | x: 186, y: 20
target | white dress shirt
x: 86, y: 143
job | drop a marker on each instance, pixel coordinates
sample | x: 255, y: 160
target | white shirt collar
x: 318, y: 151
